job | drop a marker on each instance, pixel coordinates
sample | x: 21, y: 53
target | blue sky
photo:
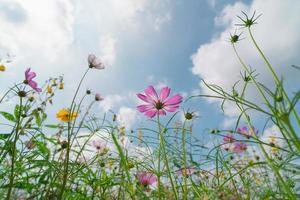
x: 143, y: 42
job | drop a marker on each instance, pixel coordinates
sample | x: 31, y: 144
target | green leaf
x: 8, y: 116
x: 52, y: 126
x: 43, y: 149
x: 17, y: 111
x: 4, y: 135
x: 38, y: 120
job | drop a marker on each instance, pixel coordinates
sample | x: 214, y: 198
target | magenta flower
x: 189, y: 171
x: 247, y: 132
x: 146, y: 179
x: 158, y: 105
x: 239, y: 147
x: 29, y: 75
x: 228, y: 138
x: 94, y: 62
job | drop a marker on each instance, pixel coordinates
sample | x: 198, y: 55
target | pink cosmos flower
x: 146, y: 179
x: 98, y: 97
x: 228, y: 138
x: 158, y: 105
x: 98, y: 145
x: 227, y: 146
x: 29, y: 75
x: 236, y: 147
x: 239, y: 147
x: 94, y: 62
x: 189, y: 171
x: 247, y: 132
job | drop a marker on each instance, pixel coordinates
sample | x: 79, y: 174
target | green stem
x: 184, y: 162
x: 269, y: 161
x: 124, y: 164
x: 162, y: 145
x: 13, y: 158
x: 158, y: 165
x: 294, y: 140
x: 274, y: 76
x: 66, y: 162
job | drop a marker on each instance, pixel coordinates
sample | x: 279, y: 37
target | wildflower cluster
x: 79, y: 152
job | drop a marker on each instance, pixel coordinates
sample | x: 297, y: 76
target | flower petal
x: 171, y: 108
x: 174, y: 100
x: 162, y: 112
x: 144, y: 98
x: 164, y: 93
x: 34, y: 85
x: 151, y: 113
x: 144, y: 108
x: 91, y: 58
x: 151, y: 93
x: 27, y: 72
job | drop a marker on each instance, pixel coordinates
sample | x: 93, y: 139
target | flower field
x: 78, y: 153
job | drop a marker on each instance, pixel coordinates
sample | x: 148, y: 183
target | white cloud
x: 161, y: 21
x: 43, y: 28
x: 127, y: 116
x: 108, y: 49
x: 276, y: 32
x: 55, y: 36
x: 111, y: 101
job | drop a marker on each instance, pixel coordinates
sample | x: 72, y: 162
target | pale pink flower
x: 247, y: 132
x: 227, y: 146
x: 29, y: 75
x: 98, y: 145
x: 228, y: 138
x: 94, y: 62
x: 146, y: 178
x: 98, y: 97
x: 239, y: 147
x: 235, y: 147
x: 158, y: 105
x: 189, y: 171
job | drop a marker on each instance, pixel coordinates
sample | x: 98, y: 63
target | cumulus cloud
x: 55, y: 36
x: 31, y: 27
x: 108, y: 49
x: 127, y: 116
x: 276, y: 32
x: 111, y: 101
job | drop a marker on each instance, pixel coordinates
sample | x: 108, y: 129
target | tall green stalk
x: 165, y: 156
x: 266, y: 101
x: 124, y: 164
x: 274, y: 76
x: 184, y: 162
x: 13, y: 156
x: 66, y: 162
x: 269, y: 161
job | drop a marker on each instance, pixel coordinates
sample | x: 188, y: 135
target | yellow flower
x: 61, y: 85
x: 2, y: 68
x: 274, y: 150
x: 49, y: 90
x: 66, y: 116
x: 122, y: 131
x: 54, y: 83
